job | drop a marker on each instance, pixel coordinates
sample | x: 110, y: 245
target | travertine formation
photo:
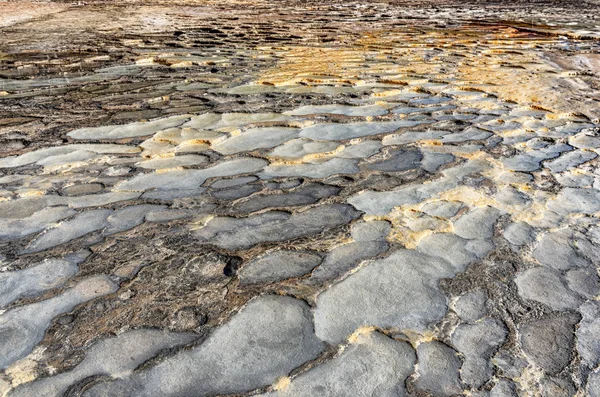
x: 329, y: 200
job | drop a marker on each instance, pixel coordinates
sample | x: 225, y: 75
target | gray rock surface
x: 593, y: 386
x: 186, y: 179
x: 267, y: 339
x: 11, y: 229
x: 438, y: 369
x: 398, y: 160
x: 116, y: 357
x: 39, y: 278
x: 557, y: 387
x: 344, y: 258
x: 470, y: 307
x: 432, y: 161
x: 442, y: 209
x: 477, y: 342
x: 504, y: 388
x: 570, y: 200
x: 398, y: 292
x: 22, y: 328
x: 373, y: 365
x: 370, y: 231
x: 477, y: 224
x: 259, y: 138
x: 519, y: 233
x: 307, y: 194
x: 82, y: 224
x: 237, y: 233
x: 336, y: 199
x: 128, y: 131
x: 585, y: 281
x: 456, y: 250
x: 546, y: 286
x: 129, y: 217
x: 588, y: 342
x: 324, y: 169
x: 570, y: 160
x: 556, y: 251
x: 337, y: 132
x: 548, y: 341
x: 278, y: 265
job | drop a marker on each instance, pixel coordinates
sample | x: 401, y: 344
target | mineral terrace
x: 279, y: 198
